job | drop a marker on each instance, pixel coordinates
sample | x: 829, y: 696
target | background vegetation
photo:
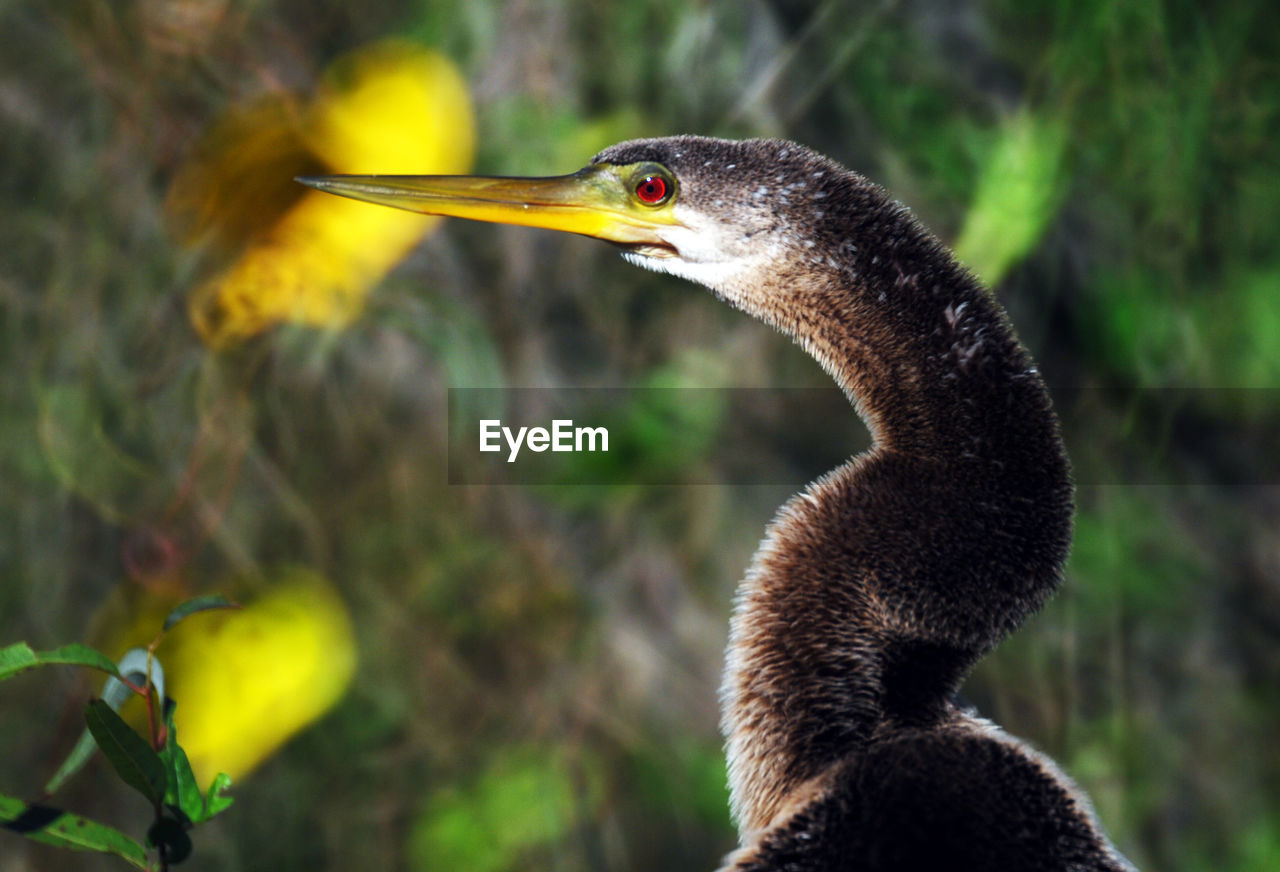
x: 536, y: 673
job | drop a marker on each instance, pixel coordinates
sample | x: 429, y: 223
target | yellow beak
x: 595, y: 201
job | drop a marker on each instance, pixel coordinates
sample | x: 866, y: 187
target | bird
x: 878, y: 586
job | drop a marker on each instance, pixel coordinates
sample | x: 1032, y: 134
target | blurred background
x: 213, y: 382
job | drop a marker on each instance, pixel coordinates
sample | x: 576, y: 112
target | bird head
x: 714, y: 211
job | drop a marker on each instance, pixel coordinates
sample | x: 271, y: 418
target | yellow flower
x: 245, y: 681
x: 387, y: 107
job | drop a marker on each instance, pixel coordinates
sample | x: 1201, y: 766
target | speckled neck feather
x: 878, y: 587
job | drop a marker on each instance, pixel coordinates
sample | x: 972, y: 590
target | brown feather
x: 877, y: 588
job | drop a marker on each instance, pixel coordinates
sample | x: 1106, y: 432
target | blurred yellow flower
x: 388, y: 107
x: 245, y: 681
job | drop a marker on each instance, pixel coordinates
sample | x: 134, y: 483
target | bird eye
x: 652, y: 190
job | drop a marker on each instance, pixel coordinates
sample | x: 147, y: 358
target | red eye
x: 652, y: 190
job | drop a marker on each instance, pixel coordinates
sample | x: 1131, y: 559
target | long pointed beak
x: 593, y: 201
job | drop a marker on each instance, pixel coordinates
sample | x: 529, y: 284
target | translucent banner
x: 789, y: 436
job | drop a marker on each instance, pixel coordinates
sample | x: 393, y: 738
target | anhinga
x: 879, y: 586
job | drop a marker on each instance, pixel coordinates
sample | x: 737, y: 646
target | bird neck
x: 914, y: 340
x: 879, y: 586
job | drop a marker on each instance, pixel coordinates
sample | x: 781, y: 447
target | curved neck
x: 878, y: 587
x: 920, y: 347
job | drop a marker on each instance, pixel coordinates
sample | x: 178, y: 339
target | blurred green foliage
x: 1018, y: 194
x: 523, y: 800
x: 536, y: 687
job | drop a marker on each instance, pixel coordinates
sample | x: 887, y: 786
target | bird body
x: 878, y: 587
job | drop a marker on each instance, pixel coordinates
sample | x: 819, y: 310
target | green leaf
x: 52, y: 826
x: 80, y: 655
x: 133, y: 666
x: 215, y: 802
x: 133, y: 758
x: 197, y: 604
x: 19, y: 657
x: 16, y: 658
x: 182, y: 791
